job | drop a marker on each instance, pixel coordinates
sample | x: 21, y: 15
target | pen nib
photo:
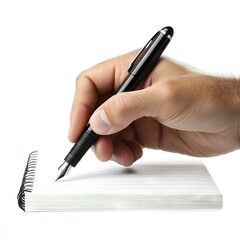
x: 63, y: 170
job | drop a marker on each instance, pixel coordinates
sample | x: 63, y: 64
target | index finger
x: 91, y: 85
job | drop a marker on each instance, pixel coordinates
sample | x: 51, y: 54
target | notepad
x: 148, y: 184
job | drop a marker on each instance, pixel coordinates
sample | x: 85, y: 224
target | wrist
x: 236, y: 107
x: 234, y: 104
x: 239, y: 134
x: 226, y: 92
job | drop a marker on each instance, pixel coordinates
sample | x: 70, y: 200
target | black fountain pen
x: 138, y: 70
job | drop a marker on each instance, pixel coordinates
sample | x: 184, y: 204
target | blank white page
x: 148, y: 184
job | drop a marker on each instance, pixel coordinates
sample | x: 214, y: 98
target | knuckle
x: 80, y: 77
x: 171, y: 91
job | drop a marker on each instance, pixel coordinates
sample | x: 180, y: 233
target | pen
x: 138, y: 70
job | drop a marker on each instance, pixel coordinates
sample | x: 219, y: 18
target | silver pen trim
x: 168, y: 36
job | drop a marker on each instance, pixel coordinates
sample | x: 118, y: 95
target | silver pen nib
x: 63, y: 170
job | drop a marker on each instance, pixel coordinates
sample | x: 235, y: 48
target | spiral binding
x: 28, y: 179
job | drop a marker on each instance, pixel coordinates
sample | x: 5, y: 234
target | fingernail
x: 100, y: 121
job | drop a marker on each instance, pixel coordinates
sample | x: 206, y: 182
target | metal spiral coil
x: 28, y: 179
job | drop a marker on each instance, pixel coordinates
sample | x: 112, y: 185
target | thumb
x: 121, y: 110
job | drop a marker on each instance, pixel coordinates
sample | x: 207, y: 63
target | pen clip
x: 142, y: 52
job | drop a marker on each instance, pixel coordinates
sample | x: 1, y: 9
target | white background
x: 45, y: 45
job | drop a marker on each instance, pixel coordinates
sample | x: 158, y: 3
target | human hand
x: 177, y: 109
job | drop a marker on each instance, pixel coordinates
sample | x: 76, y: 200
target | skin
x: 178, y: 109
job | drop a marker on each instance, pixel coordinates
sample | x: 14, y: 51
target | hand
x: 177, y: 109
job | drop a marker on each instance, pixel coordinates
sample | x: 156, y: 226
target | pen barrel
x: 148, y: 62
x: 85, y: 141
x: 144, y: 63
x: 128, y: 84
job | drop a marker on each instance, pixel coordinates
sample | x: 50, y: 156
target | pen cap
x: 151, y: 52
x: 168, y: 31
